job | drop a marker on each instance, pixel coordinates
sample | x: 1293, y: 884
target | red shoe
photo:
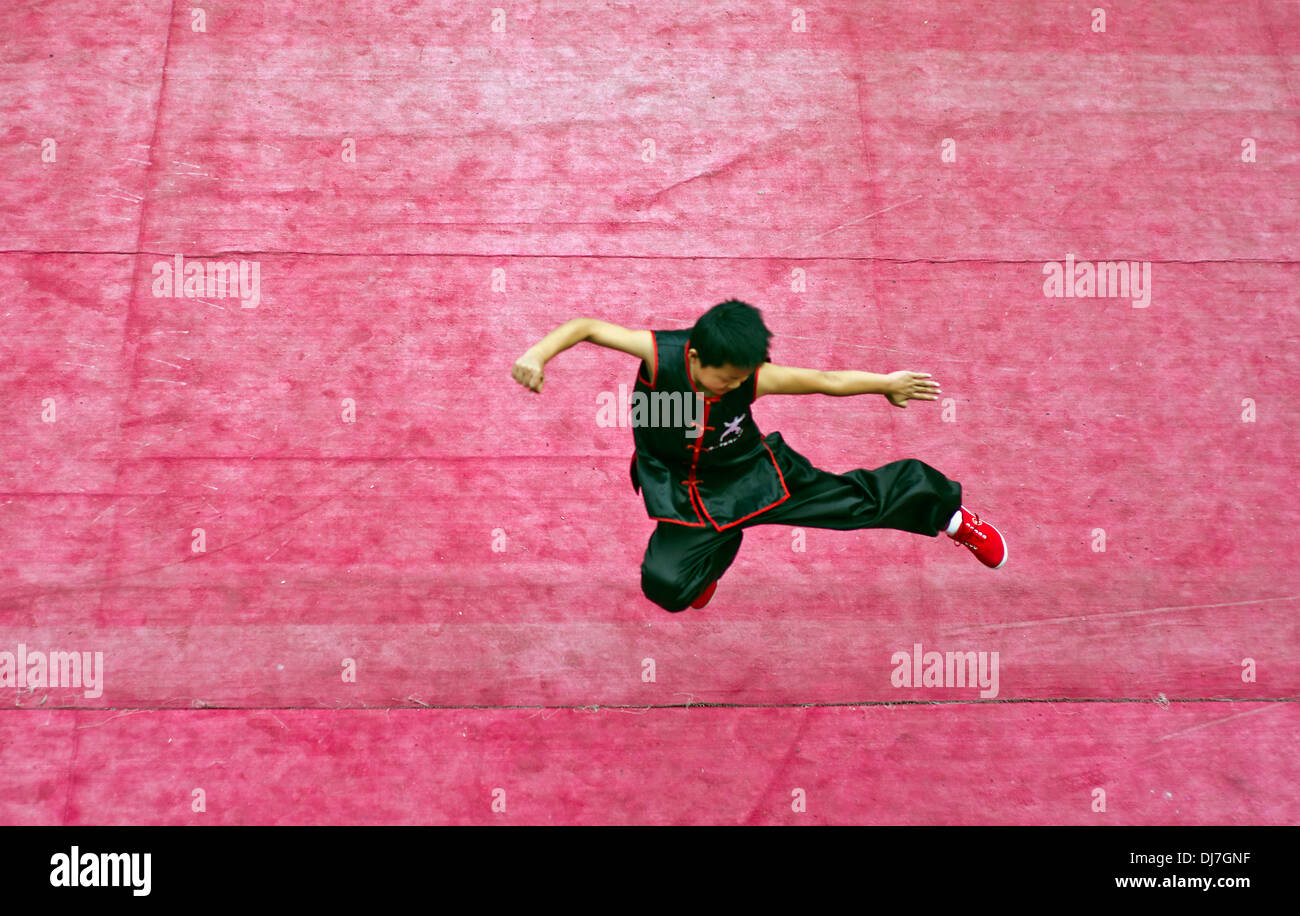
x: 983, y: 540
x: 705, y: 595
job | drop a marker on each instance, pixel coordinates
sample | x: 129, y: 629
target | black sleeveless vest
x: 717, y: 479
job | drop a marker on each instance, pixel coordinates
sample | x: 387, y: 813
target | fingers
x: 925, y: 386
x: 921, y: 387
x: 915, y: 386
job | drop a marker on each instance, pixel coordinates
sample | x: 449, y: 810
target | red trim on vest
x: 697, y: 502
x: 694, y: 488
x: 765, y: 508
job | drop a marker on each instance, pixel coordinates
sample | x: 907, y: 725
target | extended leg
x: 908, y: 495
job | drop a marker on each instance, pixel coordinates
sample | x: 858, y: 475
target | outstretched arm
x: 528, y: 369
x: 899, y: 387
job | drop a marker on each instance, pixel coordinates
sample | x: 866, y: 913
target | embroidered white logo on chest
x: 733, y: 427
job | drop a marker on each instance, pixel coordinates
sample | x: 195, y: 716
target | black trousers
x: 907, y: 495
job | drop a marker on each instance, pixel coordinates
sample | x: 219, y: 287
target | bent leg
x: 680, y: 562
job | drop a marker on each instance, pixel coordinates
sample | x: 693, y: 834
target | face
x: 718, y: 380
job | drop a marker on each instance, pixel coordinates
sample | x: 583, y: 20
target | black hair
x: 732, y: 332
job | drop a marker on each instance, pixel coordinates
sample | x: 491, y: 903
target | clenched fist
x: 528, y: 371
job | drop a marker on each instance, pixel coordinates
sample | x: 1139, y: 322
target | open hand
x: 905, y: 386
x: 527, y: 371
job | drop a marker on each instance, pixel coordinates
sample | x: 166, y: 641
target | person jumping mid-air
x: 706, y: 473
